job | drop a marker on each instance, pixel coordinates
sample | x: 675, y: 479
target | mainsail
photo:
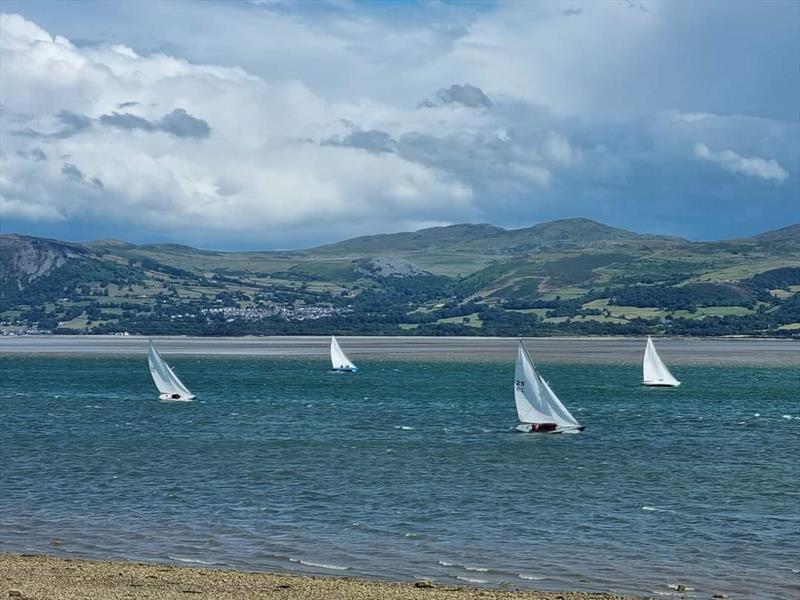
x: 654, y: 371
x: 536, y: 402
x: 165, y: 379
x: 339, y: 360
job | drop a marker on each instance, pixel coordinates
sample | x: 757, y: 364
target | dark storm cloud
x: 36, y: 154
x: 178, y: 123
x: 126, y: 121
x: 181, y: 124
x: 72, y: 172
x: 75, y: 174
x: 373, y: 140
x: 71, y: 124
x: 466, y: 95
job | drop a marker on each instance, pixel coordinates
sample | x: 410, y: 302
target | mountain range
x: 573, y: 276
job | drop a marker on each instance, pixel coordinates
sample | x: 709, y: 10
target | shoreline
x: 42, y: 576
x: 610, y: 350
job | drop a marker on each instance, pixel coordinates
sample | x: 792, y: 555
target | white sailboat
x: 339, y: 360
x: 538, y: 408
x: 654, y: 371
x: 168, y: 384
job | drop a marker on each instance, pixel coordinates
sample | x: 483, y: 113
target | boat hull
x: 344, y: 370
x: 526, y: 428
x: 660, y: 384
x: 175, y: 398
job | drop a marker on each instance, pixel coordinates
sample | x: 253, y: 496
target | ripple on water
x: 427, y: 481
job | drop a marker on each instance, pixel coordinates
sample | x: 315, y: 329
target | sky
x: 267, y: 124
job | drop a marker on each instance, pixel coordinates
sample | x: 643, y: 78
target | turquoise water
x: 409, y: 470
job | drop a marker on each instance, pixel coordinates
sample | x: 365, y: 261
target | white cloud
x: 312, y: 115
x: 258, y: 169
x: 761, y: 168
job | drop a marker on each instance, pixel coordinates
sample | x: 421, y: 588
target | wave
x: 308, y: 563
x: 444, y: 563
x: 469, y: 580
x: 194, y: 561
x: 656, y: 509
x: 404, y: 427
x: 529, y: 577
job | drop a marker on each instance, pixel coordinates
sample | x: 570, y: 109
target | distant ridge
x: 563, y: 233
x: 565, y: 277
x: 784, y: 234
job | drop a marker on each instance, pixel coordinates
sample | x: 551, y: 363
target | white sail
x: 536, y: 402
x: 339, y: 359
x: 165, y: 379
x: 654, y: 371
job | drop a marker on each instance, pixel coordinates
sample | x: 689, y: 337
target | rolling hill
x: 573, y: 276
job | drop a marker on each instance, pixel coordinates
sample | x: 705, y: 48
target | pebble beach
x: 43, y: 577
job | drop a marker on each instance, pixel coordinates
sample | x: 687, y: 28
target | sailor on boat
x: 543, y: 427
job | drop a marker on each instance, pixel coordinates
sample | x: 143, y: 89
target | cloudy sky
x: 273, y: 124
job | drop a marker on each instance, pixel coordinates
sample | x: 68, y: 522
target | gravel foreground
x: 39, y: 577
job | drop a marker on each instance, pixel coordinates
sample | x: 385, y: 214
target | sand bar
x: 730, y: 351
x: 49, y: 578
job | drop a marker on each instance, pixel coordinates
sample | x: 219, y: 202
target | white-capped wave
x: 444, y: 563
x: 656, y: 509
x: 404, y: 427
x: 685, y: 588
x: 195, y: 561
x: 308, y: 563
x: 529, y: 577
x: 789, y: 417
x: 470, y: 580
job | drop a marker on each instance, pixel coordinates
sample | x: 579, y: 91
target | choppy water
x: 409, y: 470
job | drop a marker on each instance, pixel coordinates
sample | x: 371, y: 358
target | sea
x: 410, y: 470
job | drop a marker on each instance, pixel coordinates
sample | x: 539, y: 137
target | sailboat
x: 538, y: 407
x: 655, y: 372
x: 339, y: 360
x: 168, y: 384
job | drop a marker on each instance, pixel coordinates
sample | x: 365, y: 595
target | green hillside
x: 568, y: 277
